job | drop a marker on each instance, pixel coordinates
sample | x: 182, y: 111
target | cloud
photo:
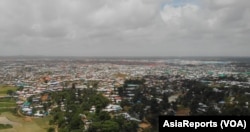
x: 126, y: 13
x: 124, y: 27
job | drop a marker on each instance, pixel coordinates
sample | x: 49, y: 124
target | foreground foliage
x: 73, y: 113
x: 5, y: 126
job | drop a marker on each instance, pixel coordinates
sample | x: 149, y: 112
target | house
x: 38, y: 114
x: 128, y: 117
x: 26, y: 109
x: 26, y: 104
x: 114, y: 108
x: 93, y: 109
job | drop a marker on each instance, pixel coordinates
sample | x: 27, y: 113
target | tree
x: 121, y: 91
x: 75, y: 122
x: 29, y: 99
x: 20, y: 88
x: 124, y: 102
x: 154, y: 106
x: 130, y: 126
x: 51, y: 129
x: 104, y: 116
x: 99, y: 101
x: 193, y: 106
x: 104, y: 126
x: 10, y: 92
x: 165, y: 102
x: 125, y: 125
x: 211, y: 111
x: 73, y: 85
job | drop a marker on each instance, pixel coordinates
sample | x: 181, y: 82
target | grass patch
x: 2, y: 110
x: 11, y: 116
x: 5, y: 88
x: 7, y: 104
x: 28, y: 124
x: 43, y: 122
x: 5, y: 126
x: 7, y: 100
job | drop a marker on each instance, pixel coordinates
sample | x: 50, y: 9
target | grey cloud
x: 124, y: 27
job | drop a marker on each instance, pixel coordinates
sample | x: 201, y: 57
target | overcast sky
x: 125, y: 27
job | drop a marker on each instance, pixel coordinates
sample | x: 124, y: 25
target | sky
x: 125, y: 27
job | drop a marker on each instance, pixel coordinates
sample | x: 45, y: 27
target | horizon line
x: 138, y: 56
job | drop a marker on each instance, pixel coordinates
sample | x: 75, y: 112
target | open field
x: 5, y: 126
x: 4, y: 109
x: 7, y: 104
x: 19, y: 123
x: 4, y: 89
x: 24, y: 124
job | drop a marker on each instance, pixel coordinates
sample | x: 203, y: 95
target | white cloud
x: 124, y: 13
x: 180, y: 14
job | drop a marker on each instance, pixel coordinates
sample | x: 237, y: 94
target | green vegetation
x: 75, y: 103
x: 7, y: 102
x: 73, y: 113
x: 142, y: 107
x: 51, y: 129
x: 5, y: 90
x: 42, y: 122
x: 204, y: 100
x: 5, y: 126
x: 7, y: 105
x: 27, y: 124
x: 8, y: 109
x: 104, y: 126
x: 2, y: 110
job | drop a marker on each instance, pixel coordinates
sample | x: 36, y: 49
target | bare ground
x: 21, y: 124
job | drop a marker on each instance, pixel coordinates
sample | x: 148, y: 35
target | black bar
x: 204, y: 123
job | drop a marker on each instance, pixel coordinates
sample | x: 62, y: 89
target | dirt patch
x: 27, y: 119
x: 120, y: 75
x: 4, y: 120
x: 143, y: 126
x: 44, y: 97
x: 182, y: 112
